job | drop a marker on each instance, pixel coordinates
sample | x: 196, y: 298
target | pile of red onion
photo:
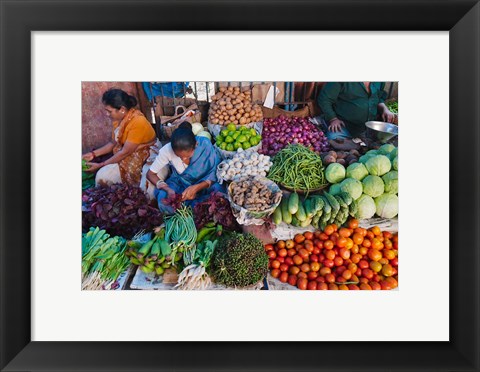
x: 279, y: 132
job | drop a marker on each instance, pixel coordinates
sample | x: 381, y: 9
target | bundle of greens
x: 215, y: 209
x: 181, y: 234
x: 195, y: 276
x: 239, y: 260
x: 88, y: 179
x: 103, y: 259
x: 119, y: 209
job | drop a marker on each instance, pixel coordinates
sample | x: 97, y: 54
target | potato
x: 247, y: 109
x: 241, y: 111
x: 215, y: 121
x: 229, y: 106
x: 329, y: 159
x: 242, y: 120
x: 252, y: 113
x: 220, y: 117
x: 222, y: 89
x: 341, y: 161
x: 216, y: 115
x: 235, y: 122
x: 222, y: 103
x: 238, y: 116
x: 238, y: 106
x: 228, y: 99
x: 232, y: 118
x: 230, y: 88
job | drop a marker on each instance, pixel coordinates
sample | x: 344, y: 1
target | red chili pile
x: 345, y: 258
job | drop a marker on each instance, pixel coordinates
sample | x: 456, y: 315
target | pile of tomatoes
x: 345, y: 258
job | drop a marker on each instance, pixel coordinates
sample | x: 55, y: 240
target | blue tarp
x: 173, y: 89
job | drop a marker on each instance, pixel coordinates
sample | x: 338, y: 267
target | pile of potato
x: 342, y: 157
x: 231, y: 105
x: 254, y: 195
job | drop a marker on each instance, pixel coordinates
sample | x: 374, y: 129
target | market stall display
x: 231, y: 105
x: 282, y: 131
x: 329, y: 215
x: 337, y: 258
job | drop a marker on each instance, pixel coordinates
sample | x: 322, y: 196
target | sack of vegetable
x: 253, y: 199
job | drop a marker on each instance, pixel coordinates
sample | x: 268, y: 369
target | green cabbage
x: 391, y: 182
x: 335, y: 173
x: 357, y: 171
x: 378, y: 165
x: 335, y: 189
x: 366, y: 207
x: 387, y: 205
x: 352, y: 186
x: 395, y: 163
x: 386, y: 149
x: 393, y: 154
x: 373, y: 186
x: 364, y: 158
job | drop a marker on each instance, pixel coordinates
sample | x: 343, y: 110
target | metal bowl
x: 385, y: 131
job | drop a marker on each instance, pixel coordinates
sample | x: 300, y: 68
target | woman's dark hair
x: 117, y: 98
x: 183, y: 138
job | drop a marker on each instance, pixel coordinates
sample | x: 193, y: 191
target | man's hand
x: 93, y: 167
x: 388, y: 116
x: 336, y: 125
x: 88, y: 156
x: 190, y: 193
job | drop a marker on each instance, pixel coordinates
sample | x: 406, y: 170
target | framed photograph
x: 55, y: 54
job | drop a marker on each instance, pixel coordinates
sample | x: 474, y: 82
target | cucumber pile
x: 315, y: 210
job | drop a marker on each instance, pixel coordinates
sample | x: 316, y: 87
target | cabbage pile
x: 372, y: 182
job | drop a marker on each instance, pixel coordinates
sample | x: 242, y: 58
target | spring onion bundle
x: 103, y: 259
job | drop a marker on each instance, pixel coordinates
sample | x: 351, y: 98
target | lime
x: 258, y: 137
x: 219, y: 139
x: 253, y: 141
x: 242, y: 138
x: 246, y: 145
x: 237, y: 145
x: 231, y: 133
x: 244, y: 129
x: 235, y: 135
x: 229, y: 139
x: 223, y: 145
x: 224, y: 132
x: 253, y: 132
x: 230, y: 147
x: 231, y: 127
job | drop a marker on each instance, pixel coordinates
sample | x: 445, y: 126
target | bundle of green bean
x: 298, y: 168
x: 103, y: 259
x: 181, y: 233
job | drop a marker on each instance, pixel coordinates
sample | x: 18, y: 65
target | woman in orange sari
x: 133, y: 143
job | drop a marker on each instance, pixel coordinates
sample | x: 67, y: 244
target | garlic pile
x: 244, y: 164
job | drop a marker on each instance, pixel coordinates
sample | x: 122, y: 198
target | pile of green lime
x: 231, y: 138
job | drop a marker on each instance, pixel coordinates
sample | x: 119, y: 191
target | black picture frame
x: 19, y: 18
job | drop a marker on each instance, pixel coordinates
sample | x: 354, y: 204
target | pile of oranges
x: 345, y: 258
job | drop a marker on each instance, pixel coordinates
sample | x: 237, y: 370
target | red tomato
x: 347, y: 274
x: 268, y: 247
x: 394, y: 262
x: 363, y: 264
x: 328, y: 263
x: 353, y: 287
x: 272, y: 254
x: 338, y: 261
x: 320, y: 279
x: 275, y: 273
x: 291, y: 252
x: 303, y: 253
x: 339, y: 270
x: 322, y: 286
x: 283, y: 277
x: 283, y: 267
x: 297, y: 260
x: 305, y: 268
x: 321, y: 257
x: 275, y: 264
x: 301, y: 274
x: 289, y: 261
x: 375, y: 286
x: 313, y: 258
x: 302, y: 283
x: 325, y: 270
x: 367, y: 273
x: 312, y: 285
x: 330, y: 278
x: 292, y: 280
x: 315, y: 266
x: 312, y: 275
x: 282, y: 252
x: 294, y: 270
x: 281, y: 259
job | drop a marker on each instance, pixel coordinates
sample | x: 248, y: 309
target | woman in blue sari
x: 193, y: 164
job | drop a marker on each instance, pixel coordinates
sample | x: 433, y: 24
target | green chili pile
x: 298, y: 168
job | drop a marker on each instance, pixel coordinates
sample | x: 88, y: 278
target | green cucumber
x: 333, y: 202
x: 295, y: 221
x: 277, y: 216
x: 346, y: 197
x: 353, y: 209
x: 293, y: 203
x: 301, y: 215
x: 305, y: 223
x: 309, y: 207
x: 286, y: 216
x: 327, y: 208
